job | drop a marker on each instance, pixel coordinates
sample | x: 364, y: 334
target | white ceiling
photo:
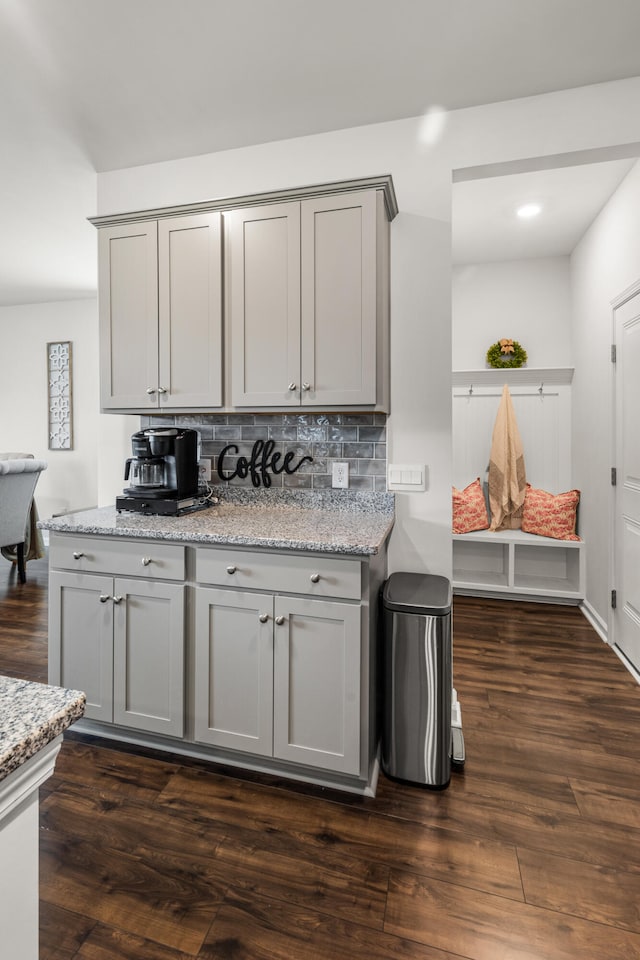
x: 484, y: 222
x: 93, y: 85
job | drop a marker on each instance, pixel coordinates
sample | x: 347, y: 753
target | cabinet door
x: 316, y: 718
x: 190, y: 311
x: 128, y: 306
x: 264, y: 304
x: 234, y: 670
x: 339, y: 299
x: 81, y: 638
x: 148, y: 656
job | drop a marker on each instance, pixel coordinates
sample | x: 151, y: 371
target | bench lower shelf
x: 517, y: 565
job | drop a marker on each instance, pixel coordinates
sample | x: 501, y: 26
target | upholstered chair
x: 18, y: 479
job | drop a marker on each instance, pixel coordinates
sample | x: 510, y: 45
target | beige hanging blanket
x: 507, y: 476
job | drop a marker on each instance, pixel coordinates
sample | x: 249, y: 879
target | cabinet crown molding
x: 383, y: 183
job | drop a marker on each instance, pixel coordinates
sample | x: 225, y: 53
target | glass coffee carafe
x: 144, y: 473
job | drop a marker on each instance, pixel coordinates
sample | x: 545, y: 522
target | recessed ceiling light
x: 528, y: 210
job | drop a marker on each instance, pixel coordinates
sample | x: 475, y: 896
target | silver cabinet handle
x: 146, y: 561
x: 77, y: 554
x: 117, y: 599
x: 151, y: 390
x: 231, y: 568
x: 293, y: 386
x: 161, y: 390
x: 306, y: 386
x: 315, y: 577
x: 104, y: 597
x: 263, y: 617
x: 279, y: 621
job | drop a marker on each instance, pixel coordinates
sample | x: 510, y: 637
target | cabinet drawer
x: 319, y: 576
x: 129, y: 558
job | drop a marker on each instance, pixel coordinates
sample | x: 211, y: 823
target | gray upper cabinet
x: 161, y: 314
x: 307, y: 305
x: 338, y: 301
x: 128, y: 303
x: 262, y: 246
x: 306, y: 302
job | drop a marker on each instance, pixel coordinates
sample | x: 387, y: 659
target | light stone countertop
x: 31, y: 716
x: 319, y: 522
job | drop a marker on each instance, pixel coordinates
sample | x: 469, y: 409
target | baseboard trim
x: 595, y: 620
x: 626, y: 663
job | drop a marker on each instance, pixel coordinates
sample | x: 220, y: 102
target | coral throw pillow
x: 550, y: 515
x: 469, y: 509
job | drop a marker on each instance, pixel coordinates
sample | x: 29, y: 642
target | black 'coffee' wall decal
x: 262, y: 460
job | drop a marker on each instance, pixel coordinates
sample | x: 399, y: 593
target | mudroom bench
x: 510, y: 563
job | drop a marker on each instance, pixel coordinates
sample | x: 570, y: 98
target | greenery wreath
x: 506, y: 353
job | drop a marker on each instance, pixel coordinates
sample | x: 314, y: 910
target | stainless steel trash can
x: 417, y: 679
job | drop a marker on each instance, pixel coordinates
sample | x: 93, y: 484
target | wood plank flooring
x: 533, y: 853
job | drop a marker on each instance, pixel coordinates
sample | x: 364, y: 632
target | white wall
x: 71, y: 480
x: 526, y: 300
x: 605, y: 262
x: 515, y: 131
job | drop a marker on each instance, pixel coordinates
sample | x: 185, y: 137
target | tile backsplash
x: 358, y: 439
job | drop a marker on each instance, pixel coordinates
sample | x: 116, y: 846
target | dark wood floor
x: 532, y: 854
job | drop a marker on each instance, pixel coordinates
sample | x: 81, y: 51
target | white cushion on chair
x: 22, y: 466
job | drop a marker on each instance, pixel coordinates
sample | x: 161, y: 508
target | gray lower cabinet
x: 263, y: 658
x: 122, y: 642
x: 234, y: 670
x: 279, y: 676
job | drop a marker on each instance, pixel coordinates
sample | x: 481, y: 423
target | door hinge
x: 613, y: 353
x: 614, y: 599
x: 614, y: 476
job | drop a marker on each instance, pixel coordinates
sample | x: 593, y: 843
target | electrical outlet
x: 204, y: 469
x: 339, y: 474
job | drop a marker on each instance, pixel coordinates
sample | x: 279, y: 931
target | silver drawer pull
x: 293, y: 386
x: 161, y: 390
x: 117, y: 599
x: 77, y: 554
x: 151, y: 390
x: 279, y: 621
x: 231, y: 568
x: 263, y: 617
x: 104, y: 597
x: 315, y: 577
x: 146, y: 561
x: 306, y: 386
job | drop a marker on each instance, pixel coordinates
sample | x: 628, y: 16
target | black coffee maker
x: 162, y: 473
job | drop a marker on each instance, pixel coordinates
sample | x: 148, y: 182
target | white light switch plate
x: 407, y: 477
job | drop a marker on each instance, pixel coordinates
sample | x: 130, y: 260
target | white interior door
x: 626, y: 632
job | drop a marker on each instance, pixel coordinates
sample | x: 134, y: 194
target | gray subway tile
x: 296, y: 480
x: 345, y: 434
x: 283, y: 432
x: 372, y: 468
x: 358, y: 450
x: 223, y: 432
x: 361, y: 483
x: 255, y: 431
x: 376, y: 434
x: 312, y: 431
x: 331, y: 450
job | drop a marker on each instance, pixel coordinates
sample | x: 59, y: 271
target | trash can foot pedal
x: 457, y: 749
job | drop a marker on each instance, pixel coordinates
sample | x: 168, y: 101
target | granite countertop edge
x: 31, y: 716
x: 320, y: 525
